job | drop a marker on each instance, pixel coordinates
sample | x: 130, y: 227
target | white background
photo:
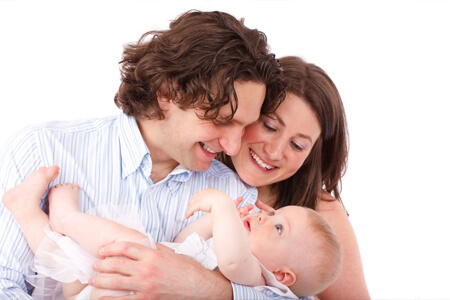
x: 389, y: 59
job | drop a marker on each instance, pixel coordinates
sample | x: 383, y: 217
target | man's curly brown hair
x: 195, y: 64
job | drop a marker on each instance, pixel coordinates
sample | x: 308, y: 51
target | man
x: 187, y: 93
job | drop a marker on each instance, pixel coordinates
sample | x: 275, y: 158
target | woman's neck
x: 266, y: 196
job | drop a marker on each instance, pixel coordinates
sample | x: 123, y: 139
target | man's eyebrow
x: 301, y: 135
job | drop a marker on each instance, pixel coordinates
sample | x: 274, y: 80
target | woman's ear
x: 286, y: 276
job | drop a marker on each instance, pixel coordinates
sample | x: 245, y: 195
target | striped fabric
x: 110, y: 162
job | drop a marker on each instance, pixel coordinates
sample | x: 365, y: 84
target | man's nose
x: 231, y: 141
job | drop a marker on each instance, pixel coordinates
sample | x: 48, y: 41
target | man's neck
x: 160, y: 171
x: 162, y: 164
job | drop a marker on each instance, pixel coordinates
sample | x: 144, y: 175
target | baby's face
x: 276, y: 238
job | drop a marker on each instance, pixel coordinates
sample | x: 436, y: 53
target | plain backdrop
x: 389, y: 59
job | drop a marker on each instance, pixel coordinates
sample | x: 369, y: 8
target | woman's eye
x: 279, y: 228
x: 297, y: 146
x: 268, y: 127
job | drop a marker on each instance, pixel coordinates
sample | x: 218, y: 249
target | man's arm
x: 14, y: 251
x: 162, y: 274
x: 158, y: 274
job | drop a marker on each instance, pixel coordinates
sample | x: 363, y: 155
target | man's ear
x: 162, y: 94
x: 286, y: 276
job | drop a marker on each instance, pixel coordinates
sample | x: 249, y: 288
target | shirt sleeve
x: 243, y: 292
x: 15, y: 255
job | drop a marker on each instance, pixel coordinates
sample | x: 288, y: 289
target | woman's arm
x: 350, y: 283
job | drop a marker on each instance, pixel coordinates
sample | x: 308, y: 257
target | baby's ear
x: 285, y: 276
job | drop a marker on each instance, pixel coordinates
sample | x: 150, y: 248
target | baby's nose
x: 261, y: 218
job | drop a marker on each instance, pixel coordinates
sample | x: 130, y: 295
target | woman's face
x: 274, y: 149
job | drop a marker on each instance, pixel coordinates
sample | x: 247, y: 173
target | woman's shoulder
x: 326, y: 203
x: 350, y: 282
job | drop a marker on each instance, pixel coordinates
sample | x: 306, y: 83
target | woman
x: 298, y: 156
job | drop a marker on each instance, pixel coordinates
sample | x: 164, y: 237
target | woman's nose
x: 274, y: 149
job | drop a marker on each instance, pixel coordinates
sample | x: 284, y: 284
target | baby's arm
x: 203, y: 225
x: 91, y: 232
x: 231, y: 244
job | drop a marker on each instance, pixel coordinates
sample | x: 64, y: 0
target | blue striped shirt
x: 109, y: 160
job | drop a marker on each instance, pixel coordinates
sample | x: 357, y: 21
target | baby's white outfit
x: 62, y: 259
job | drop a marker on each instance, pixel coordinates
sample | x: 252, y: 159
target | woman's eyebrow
x: 301, y: 135
x: 304, y: 136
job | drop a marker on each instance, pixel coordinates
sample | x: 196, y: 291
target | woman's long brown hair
x: 327, y: 161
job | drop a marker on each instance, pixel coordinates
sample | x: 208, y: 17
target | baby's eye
x: 279, y: 228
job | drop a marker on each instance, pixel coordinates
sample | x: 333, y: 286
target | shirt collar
x: 133, y: 150
x: 132, y: 145
x: 181, y: 173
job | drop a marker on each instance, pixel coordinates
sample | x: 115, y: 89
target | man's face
x: 194, y: 143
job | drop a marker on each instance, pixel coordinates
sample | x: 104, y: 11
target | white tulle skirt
x: 59, y: 259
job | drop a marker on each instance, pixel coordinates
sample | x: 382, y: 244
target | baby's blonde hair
x: 326, y: 262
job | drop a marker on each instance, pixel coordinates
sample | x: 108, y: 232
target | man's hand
x: 157, y: 274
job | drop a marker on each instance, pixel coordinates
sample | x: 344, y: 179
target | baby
x: 291, y: 247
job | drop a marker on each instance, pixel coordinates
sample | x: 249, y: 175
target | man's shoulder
x: 73, y: 126
x: 33, y: 137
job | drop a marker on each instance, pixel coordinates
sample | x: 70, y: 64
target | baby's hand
x: 242, y: 211
x: 208, y: 199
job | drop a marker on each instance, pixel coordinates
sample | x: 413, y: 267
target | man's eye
x: 279, y: 228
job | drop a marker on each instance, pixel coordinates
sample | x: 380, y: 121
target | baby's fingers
x: 238, y: 201
x: 243, y: 211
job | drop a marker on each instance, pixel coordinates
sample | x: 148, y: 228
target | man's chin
x: 199, y: 166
